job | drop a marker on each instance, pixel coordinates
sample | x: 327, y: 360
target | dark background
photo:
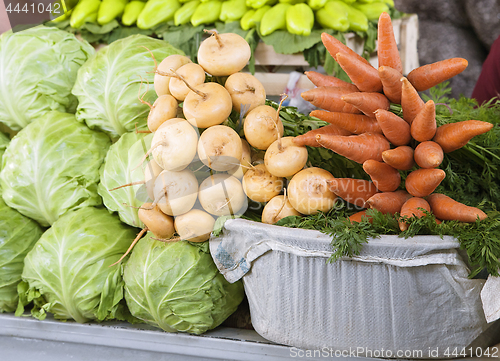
x: 455, y: 28
x: 35, y: 14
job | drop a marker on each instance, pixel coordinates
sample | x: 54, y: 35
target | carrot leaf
x: 481, y: 240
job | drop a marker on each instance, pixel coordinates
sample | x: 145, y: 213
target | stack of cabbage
x: 57, y: 239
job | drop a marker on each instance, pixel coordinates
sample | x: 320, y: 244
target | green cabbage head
x: 177, y: 287
x: 52, y: 166
x: 108, y: 85
x: 38, y: 68
x: 121, y: 167
x: 68, y: 271
x: 18, y: 235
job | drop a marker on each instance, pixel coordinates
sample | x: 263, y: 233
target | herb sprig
x: 481, y: 240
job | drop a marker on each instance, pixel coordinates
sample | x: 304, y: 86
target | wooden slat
x: 408, y: 48
x: 265, y: 55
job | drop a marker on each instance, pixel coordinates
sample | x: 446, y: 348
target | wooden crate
x: 273, y: 69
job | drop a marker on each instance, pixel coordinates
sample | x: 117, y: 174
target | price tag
x: 24, y: 14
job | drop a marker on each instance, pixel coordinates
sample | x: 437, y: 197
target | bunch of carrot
x: 364, y: 130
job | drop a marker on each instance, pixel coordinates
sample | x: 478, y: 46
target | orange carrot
x: 391, y: 83
x: 363, y: 75
x: 424, y: 126
x: 355, y: 191
x: 354, y: 123
x: 429, y: 75
x: 319, y: 79
x: 387, y: 48
x: 411, y: 103
x: 388, y: 202
x: 395, y: 129
x: 385, y: 177
x: 309, y: 138
x: 329, y: 98
x: 335, y: 46
x: 360, y: 216
x: 428, y: 154
x: 453, y: 136
x: 358, y: 148
x: 422, y: 182
x: 367, y: 102
x: 411, y: 208
x: 400, y: 158
x: 448, y: 209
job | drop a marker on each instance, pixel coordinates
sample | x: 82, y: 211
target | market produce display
x: 164, y: 148
x: 55, y: 171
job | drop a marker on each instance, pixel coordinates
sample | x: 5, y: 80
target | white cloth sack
x: 398, y: 295
x: 490, y: 296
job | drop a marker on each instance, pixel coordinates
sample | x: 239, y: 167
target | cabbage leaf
x: 4, y: 142
x: 177, y: 287
x: 67, y: 272
x: 121, y: 167
x: 107, y: 86
x: 18, y: 235
x: 38, y: 68
x: 52, y: 166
